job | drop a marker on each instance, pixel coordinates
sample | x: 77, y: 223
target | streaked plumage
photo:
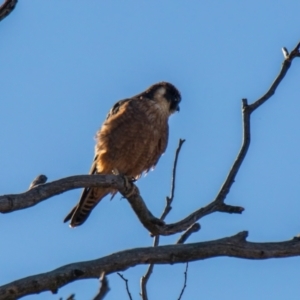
x: 131, y: 141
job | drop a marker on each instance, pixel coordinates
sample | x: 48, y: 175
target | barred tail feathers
x: 89, y: 199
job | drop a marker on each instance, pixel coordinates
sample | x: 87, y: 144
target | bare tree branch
x: 6, y: 8
x: 169, y: 200
x: 104, y: 288
x: 185, y: 280
x: 9, y: 203
x: 145, y: 278
x: 167, y: 209
x: 126, y: 283
x: 71, y: 297
x: 234, y: 246
x: 13, y: 202
x: 194, y: 228
x: 247, y: 110
x: 218, y: 203
x: 285, y: 67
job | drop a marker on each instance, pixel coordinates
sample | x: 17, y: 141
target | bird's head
x: 166, y: 91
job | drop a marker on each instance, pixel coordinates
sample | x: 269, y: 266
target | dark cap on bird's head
x: 170, y: 92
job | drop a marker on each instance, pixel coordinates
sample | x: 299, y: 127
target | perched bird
x: 130, y: 142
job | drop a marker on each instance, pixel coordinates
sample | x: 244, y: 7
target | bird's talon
x: 115, y: 171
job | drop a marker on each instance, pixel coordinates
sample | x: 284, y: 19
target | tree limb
x: 285, y: 67
x: 234, y: 246
x: 167, y: 209
x: 185, y: 280
x: 9, y: 203
x: 104, y: 288
x: 145, y: 278
x: 169, y: 200
x: 13, y: 202
x: 126, y: 284
x: 6, y: 8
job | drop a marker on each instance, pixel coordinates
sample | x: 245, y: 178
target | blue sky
x: 65, y: 63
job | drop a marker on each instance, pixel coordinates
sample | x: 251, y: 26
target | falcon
x: 130, y: 142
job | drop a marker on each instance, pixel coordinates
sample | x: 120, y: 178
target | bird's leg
x: 132, y: 194
x: 115, y: 171
x: 130, y: 188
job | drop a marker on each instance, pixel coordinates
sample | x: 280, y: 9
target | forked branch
x: 9, y: 203
x: 234, y: 246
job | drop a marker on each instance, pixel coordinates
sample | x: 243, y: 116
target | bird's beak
x: 178, y: 108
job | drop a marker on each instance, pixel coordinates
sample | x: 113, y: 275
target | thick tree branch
x: 234, y: 246
x: 10, y: 203
x: 6, y: 8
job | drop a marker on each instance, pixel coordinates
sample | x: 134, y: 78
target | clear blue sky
x: 65, y: 63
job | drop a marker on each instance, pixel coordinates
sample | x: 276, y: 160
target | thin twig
x: 6, y: 8
x: 126, y: 283
x: 167, y: 209
x: 247, y: 110
x: 288, y: 58
x: 104, y: 288
x: 194, y: 228
x: 185, y: 280
x: 145, y: 278
x: 169, y: 200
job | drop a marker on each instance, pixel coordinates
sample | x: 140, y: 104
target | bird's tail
x: 89, y: 199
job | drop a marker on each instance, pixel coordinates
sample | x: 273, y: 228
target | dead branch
x: 145, y: 278
x: 13, y: 202
x: 104, y: 288
x: 6, y: 8
x: 126, y: 284
x: 234, y: 246
x: 169, y: 200
x: 9, y: 203
x: 288, y: 58
x: 246, y: 111
x: 167, y: 209
x: 194, y: 228
x: 185, y: 280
